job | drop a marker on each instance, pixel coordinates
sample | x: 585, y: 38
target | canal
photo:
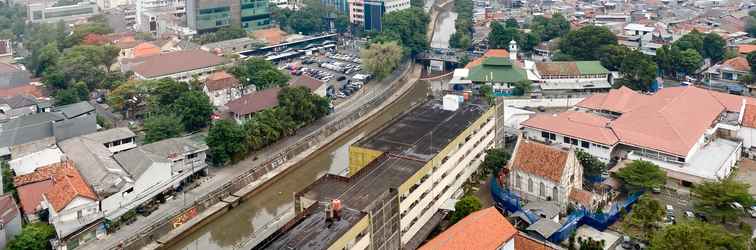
x: 239, y: 227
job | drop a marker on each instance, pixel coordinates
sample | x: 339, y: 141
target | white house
x: 222, y: 87
x: 28, y: 163
x: 542, y: 172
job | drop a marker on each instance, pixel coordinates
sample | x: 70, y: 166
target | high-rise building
x: 368, y: 13
x: 211, y: 15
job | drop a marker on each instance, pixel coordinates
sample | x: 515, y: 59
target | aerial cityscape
x: 378, y: 124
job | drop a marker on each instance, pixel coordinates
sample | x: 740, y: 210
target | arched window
x: 530, y: 185
x: 518, y: 182
x: 555, y: 194
x: 542, y: 190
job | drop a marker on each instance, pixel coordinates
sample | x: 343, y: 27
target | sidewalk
x: 220, y: 176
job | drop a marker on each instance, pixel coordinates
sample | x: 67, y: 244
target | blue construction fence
x: 510, y: 202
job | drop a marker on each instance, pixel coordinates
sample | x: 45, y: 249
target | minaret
x: 513, y: 50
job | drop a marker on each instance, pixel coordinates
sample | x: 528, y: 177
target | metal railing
x: 163, y: 225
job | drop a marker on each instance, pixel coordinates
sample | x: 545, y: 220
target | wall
x: 350, y: 237
x: 748, y: 135
x: 600, y: 151
x: 88, y: 207
x: 360, y: 157
x: 543, y: 102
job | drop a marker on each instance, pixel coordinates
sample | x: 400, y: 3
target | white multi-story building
x: 399, y: 178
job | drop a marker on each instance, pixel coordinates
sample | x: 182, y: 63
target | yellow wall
x: 360, y: 157
x: 351, y: 234
x: 447, y: 150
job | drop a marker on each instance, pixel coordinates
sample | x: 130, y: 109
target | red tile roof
x: 490, y: 53
x: 30, y: 194
x: 8, y: 209
x: 221, y: 80
x: 145, y: 49
x: 749, y: 116
x: 481, y: 230
x: 582, y: 197
x: 737, y: 64
x: 176, y: 62
x: 27, y: 89
x: 254, y: 102
x: 746, y: 48
x: 539, y: 159
x: 65, y: 184
x: 526, y: 243
x: 580, y: 125
x: 306, y: 81
x: 271, y: 36
x: 669, y: 121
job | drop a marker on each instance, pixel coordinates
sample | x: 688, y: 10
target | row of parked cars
x: 348, y: 89
x: 344, y: 57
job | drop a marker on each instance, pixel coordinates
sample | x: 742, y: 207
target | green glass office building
x: 210, y: 15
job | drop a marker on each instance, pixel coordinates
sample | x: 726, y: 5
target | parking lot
x: 340, y: 69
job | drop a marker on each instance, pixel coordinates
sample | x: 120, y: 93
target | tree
x: 66, y: 96
x: 410, y: 26
x: 693, y: 40
x: 8, y: 186
x: 164, y: 92
x: 227, y: 141
x: 511, y: 23
x: 697, y: 235
x: 746, y: 79
x: 716, y: 198
x: 590, y: 244
x: 645, y: 216
x: 642, y: 175
x: 714, y: 47
x: 689, y: 61
x: 486, y: 91
x: 194, y: 109
x: 301, y: 105
x: 381, y: 59
x: 522, y: 87
x: 592, y: 166
x: 751, y: 57
x: 750, y: 23
x: 259, y: 72
x: 495, y: 159
x: 33, y: 236
x: 464, y: 207
x: 637, y: 70
x: 500, y: 36
x: 613, y: 55
x: 550, y: 28
x: 222, y: 34
x: 582, y: 43
x: 417, y: 3
x: 160, y: 127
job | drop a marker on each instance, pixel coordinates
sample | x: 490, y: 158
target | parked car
x: 752, y: 211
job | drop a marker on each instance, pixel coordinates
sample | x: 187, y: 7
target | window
x: 530, y: 185
x: 518, y: 181
x: 585, y: 144
x: 542, y: 190
x: 566, y: 139
x: 555, y: 194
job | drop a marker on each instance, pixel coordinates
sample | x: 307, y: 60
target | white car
x: 752, y: 211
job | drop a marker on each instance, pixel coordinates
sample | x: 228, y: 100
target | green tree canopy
x: 695, y: 235
x: 409, y: 26
x: 500, y: 36
x: 638, y: 71
x: 613, y: 55
x: 592, y: 166
x: 222, y: 34
x: 550, y: 28
x: 465, y: 206
x: 33, y: 236
x: 511, y: 23
x: 716, y: 198
x: 582, y: 44
x: 227, y: 141
x: 301, y: 105
x: 495, y: 159
x: 194, y: 109
x: 381, y: 59
x: 714, y: 47
x: 645, y: 216
x: 642, y: 175
x: 160, y: 127
x: 259, y: 72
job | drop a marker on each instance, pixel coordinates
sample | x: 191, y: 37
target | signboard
x: 183, y: 218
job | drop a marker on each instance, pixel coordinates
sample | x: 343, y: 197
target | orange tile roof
x: 66, y: 183
x: 582, y: 197
x: 746, y: 48
x: 221, y: 80
x: 738, y: 64
x: 30, y: 195
x: 27, y: 89
x: 669, y: 121
x: 580, y: 125
x: 749, y: 116
x: 489, y: 53
x: 617, y: 100
x: 526, y: 243
x: 145, y: 49
x: 271, y: 36
x: 481, y: 230
x: 539, y: 159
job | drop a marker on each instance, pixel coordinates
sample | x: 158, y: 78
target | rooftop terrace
x: 425, y: 130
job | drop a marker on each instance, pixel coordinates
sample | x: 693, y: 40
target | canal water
x: 275, y: 204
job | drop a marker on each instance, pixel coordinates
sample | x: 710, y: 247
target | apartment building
x: 210, y: 15
x: 398, y: 179
x: 367, y: 13
x: 41, y: 13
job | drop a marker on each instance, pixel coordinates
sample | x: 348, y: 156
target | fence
x: 510, y: 202
x: 164, y: 225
